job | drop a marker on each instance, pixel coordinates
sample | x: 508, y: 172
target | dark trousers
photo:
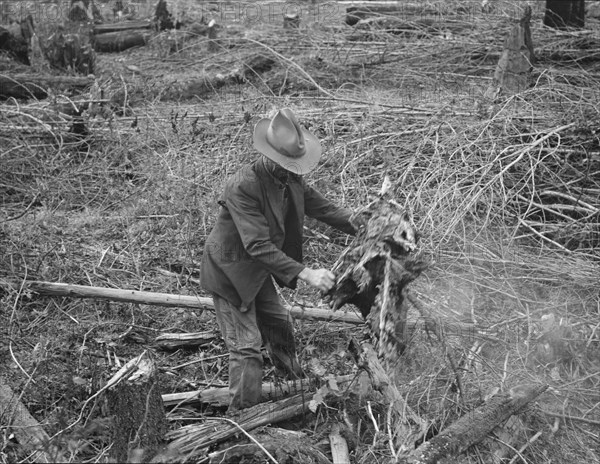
x: 265, y: 320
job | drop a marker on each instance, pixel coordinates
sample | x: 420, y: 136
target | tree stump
x: 515, y: 64
x: 291, y: 21
x: 564, y: 14
x: 16, y: 38
x: 135, y: 403
x: 70, y: 52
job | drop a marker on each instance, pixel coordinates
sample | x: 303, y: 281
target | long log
x: 356, y: 11
x: 433, y: 323
x: 119, y: 41
x: 270, y: 391
x: 121, y: 26
x: 473, y: 427
x: 34, y: 86
x: 28, y: 432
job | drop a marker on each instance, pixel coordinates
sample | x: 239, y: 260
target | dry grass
x: 505, y: 193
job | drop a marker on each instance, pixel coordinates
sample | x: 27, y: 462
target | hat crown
x: 285, y: 135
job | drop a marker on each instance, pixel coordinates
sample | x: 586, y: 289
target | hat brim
x: 301, y: 165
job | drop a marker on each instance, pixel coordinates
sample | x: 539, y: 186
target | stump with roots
x: 374, y: 272
x: 135, y: 402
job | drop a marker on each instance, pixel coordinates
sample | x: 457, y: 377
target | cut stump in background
x: 135, y: 402
x: 514, y: 67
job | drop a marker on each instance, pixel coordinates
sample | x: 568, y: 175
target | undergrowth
x: 505, y: 193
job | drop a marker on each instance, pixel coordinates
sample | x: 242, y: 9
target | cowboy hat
x: 284, y: 141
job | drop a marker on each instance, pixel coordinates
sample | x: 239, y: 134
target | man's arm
x: 320, y: 208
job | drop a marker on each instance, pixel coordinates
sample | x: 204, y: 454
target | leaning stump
x: 135, y: 402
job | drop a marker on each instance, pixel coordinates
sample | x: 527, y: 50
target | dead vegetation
x: 115, y: 186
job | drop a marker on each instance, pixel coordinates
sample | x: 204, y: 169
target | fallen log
x: 121, y: 26
x: 473, y: 427
x: 173, y: 341
x: 33, y: 86
x: 270, y: 391
x: 191, y: 441
x: 27, y: 431
x: 112, y: 42
x: 457, y: 328
x: 135, y: 403
x: 356, y: 11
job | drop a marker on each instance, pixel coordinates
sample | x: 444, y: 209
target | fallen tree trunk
x: 191, y: 441
x: 270, y: 391
x: 197, y: 302
x: 34, y: 86
x: 356, y: 11
x: 135, y: 403
x: 28, y: 432
x: 118, y: 41
x: 121, y: 26
x: 474, y: 426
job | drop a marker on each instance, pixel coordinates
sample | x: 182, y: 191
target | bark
x: 34, y: 86
x: 187, y: 340
x: 356, y: 11
x: 139, y: 417
x: 473, y: 427
x: 564, y: 14
x: 111, y: 42
x: 28, y: 432
x: 270, y: 391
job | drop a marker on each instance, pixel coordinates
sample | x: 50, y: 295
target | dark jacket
x: 252, y: 240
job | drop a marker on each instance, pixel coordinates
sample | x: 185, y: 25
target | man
x: 258, y: 235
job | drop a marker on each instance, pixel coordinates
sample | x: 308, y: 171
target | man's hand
x: 322, y: 279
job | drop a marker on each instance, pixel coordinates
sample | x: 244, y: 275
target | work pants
x: 266, y: 321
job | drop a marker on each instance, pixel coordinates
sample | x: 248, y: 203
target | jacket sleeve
x: 253, y: 228
x: 320, y: 208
